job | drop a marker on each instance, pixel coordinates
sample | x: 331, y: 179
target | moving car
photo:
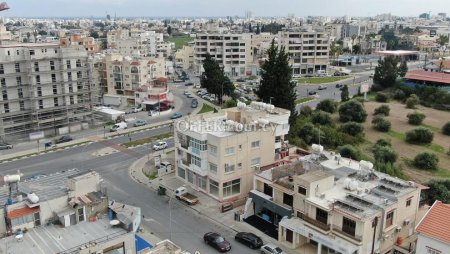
x: 339, y: 85
x: 139, y: 122
x: 176, y: 115
x: 63, y: 139
x: 5, y: 146
x: 271, y: 249
x: 118, y: 126
x: 136, y: 109
x: 251, y: 240
x: 216, y: 241
x: 160, y: 145
x: 187, y: 94
x: 322, y: 87
x: 312, y: 92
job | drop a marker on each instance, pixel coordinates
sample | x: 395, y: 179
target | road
x: 187, y: 226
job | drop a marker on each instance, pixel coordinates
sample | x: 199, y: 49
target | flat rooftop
x: 56, y: 239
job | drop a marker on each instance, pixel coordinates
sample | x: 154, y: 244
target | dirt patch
x: 399, y: 121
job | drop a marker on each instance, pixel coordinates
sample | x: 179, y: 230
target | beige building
x: 234, y: 52
x: 45, y: 87
x: 184, y: 57
x: 308, y: 50
x: 328, y: 204
x: 218, y: 153
x: 89, y: 43
x: 125, y: 74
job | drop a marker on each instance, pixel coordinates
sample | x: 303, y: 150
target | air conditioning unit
x: 398, y: 229
x: 385, y: 237
x: 257, y: 167
x: 406, y: 222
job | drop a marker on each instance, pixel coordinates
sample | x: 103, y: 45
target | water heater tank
x: 11, y: 178
x: 33, y: 198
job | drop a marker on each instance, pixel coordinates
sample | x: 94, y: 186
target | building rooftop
x: 436, y: 223
x: 422, y: 75
x: 56, y: 239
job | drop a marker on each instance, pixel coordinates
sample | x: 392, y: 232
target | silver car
x: 5, y: 146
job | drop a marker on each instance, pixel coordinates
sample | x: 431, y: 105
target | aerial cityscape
x: 198, y: 127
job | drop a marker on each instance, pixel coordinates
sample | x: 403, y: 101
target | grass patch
x: 147, y: 140
x: 436, y: 148
x: 321, y: 80
x: 435, y: 129
x: 153, y: 175
x: 394, y: 134
x: 206, y: 108
x: 442, y: 173
x: 180, y: 40
x: 303, y: 100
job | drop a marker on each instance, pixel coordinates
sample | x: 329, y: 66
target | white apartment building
x: 45, y: 87
x: 184, y: 57
x: 433, y: 230
x: 329, y: 204
x: 218, y: 153
x: 308, y: 50
x: 234, y: 52
x: 136, y: 42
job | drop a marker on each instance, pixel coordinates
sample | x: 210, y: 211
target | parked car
x: 371, y: 75
x: 178, y: 81
x: 136, y: 109
x: 339, y: 85
x: 190, y: 96
x: 63, y: 139
x: 251, y: 240
x: 309, y: 75
x: 205, y: 96
x: 160, y: 145
x: 5, y: 146
x: 176, y: 115
x: 197, y: 86
x: 216, y: 241
x: 322, y: 87
x: 271, y: 249
x: 194, y: 104
x: 187, y: 94
x: 182, y: 194
x: 139, y: 122
x: 189, y: 84
x: 312, y: 92
x: 118, y: 126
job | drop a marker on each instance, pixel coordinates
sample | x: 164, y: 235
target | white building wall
x: 424, y: 241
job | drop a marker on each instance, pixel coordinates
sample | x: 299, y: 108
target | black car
x: 189, y: 84
x: 339, y: 85
x: 240, y: 80
x: 194, y: 104
x: 216, y: 241
x: 312, y: 92
x: 251, y: 240
x: 63, y: 139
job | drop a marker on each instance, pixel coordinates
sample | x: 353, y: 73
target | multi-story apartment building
x: 125, y: 74
x: 45, y: 87
x: 308, y: 50
x: 88, y: 43
x: 219, y: 153
x: 137, y: 43
x: 234, y: 52
x: 184, y: 57
x: 328, y: 204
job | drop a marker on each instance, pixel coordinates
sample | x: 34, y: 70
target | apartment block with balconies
x: 308, y: 50
x: 218, y: 153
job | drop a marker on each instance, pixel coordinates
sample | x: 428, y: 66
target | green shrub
x: 327, y: 105
x: 352, y: 111
x: 306, y: 111
x: 384, y: 154
x: 399, y: 95
x: 352, y: 128
x: 383, y: 125
x: 412, y: 101
x: 439, y: 190
x: 388, y: 168
x: 426, y: 161
x: 321, y: 117
x: 381, y: 97
x: 383, y: 142
x: 415, y: 118
x: 382, y: 110
x: 349, y: 151
x: 419, y: 135
x: 446, y: 129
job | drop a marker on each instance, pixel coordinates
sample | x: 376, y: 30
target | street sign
x: 37, y: 135
x: 364, y: 88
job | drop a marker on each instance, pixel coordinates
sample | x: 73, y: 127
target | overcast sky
x: 210, y: 8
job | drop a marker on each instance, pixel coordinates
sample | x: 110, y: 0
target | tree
x: 349, y: 151
x: 384, y: 154
x: 446, y: 129
x: 426, y: 161
x: 352, y: 129
x: 381, y: 97
x: 442, y: 40
x: 383, y: 142
x: 352, y: 111
x: 310, y: 134
x: 306, y: 111
x: 382, y: 110
x: 94, y: 34
x: 419, y: 135
x: 439, y: 190
x: 250, y: 29
x: 382, y: 124
x: 276, y: 85
x: 403, y: 69
x: 386, y: 72
x: 327, y: 105
x: 412, y: 101
x: 415, y: 118
x: 169, y: 30
x: 388, y: 168
x: 321, y: 117
x: 258, y: 31
x: 214, y: 79
x: 356, y: 49
x: 231, y: 103
x: 345, y: 95
x: 103, y: 43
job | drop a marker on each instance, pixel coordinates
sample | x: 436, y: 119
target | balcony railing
x: 316, y: 223
x: 355, y: 237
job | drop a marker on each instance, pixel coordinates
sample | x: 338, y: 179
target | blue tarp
x: 141, y: 244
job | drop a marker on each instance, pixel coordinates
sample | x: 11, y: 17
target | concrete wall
x: 424, y: 241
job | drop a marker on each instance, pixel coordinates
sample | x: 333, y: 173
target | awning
x: 17, y: 213
x: 264, y: 200
x: 65, y: 212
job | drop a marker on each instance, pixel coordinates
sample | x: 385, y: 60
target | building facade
x: 433, y: 234
x: 308, y: 50
x: 184, y: 57
x: 45, y: 87
x: 89, y: 43
x: 218, y: 153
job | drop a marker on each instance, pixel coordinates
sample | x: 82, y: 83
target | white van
x: 118, y: 126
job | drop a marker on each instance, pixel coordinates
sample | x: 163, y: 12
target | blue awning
x: 141, y: 244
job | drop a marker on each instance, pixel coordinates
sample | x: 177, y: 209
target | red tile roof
x: 135, y: 63
x: 17, y: 213
x: 435, y: 223
x: 422, y: 75
x: 151, y: 62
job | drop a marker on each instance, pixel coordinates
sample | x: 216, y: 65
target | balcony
x: 316, y: 223
x: 357, y: 238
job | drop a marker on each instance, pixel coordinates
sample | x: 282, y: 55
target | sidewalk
x: 207, y: 206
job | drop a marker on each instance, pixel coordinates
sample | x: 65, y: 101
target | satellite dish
x: 114, y: 222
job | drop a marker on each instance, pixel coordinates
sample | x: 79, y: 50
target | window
x: 197, y: 145
x: 22, y: 105
x: 79, y: 75
x: 190, y: 176
x: 408, y: 202
x: 288, y: 199
x: 201, y: 182
x: 213, y: 168
x: 181, y: 172
x: 432, y: 251
x: 196, y: 161
x: 52, y: 65
x: 255, y: 161
x: 78, y: 63
x: 5, y: 95
x: 255, y: 144
x: 212, y: 149
x: 36, y: 66
x: 348, y: 226
x: 68, y: 64
x: 55, y: 102
x: 41, y: 104
x: 39, y: 91
x: 22, y: 220
x: 53, y: 77
x: 69, y: 76
x: 3, y: 82
x: 322, y: 216
x: 389, y: 219
x: 229, y: 168
x: 302, y: 190
x: 19, y: 81
x: 70, y: 88
x: 38, y: 79
x: 55, y: 89
x: 31, y: 52
x: 268, y: 190
x: 2, y: 71
x: 71, y: 100
x: 20, y: 93
x: 17, y: 67
x: 213, y: 188
x: 229, y: 150
x: 232, y: 187
x: 6, y: 107
x: 81, y: 214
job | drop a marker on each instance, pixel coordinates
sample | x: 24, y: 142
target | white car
x: 271, y: 249
x: 136, y: 109
x: 160, y: 145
